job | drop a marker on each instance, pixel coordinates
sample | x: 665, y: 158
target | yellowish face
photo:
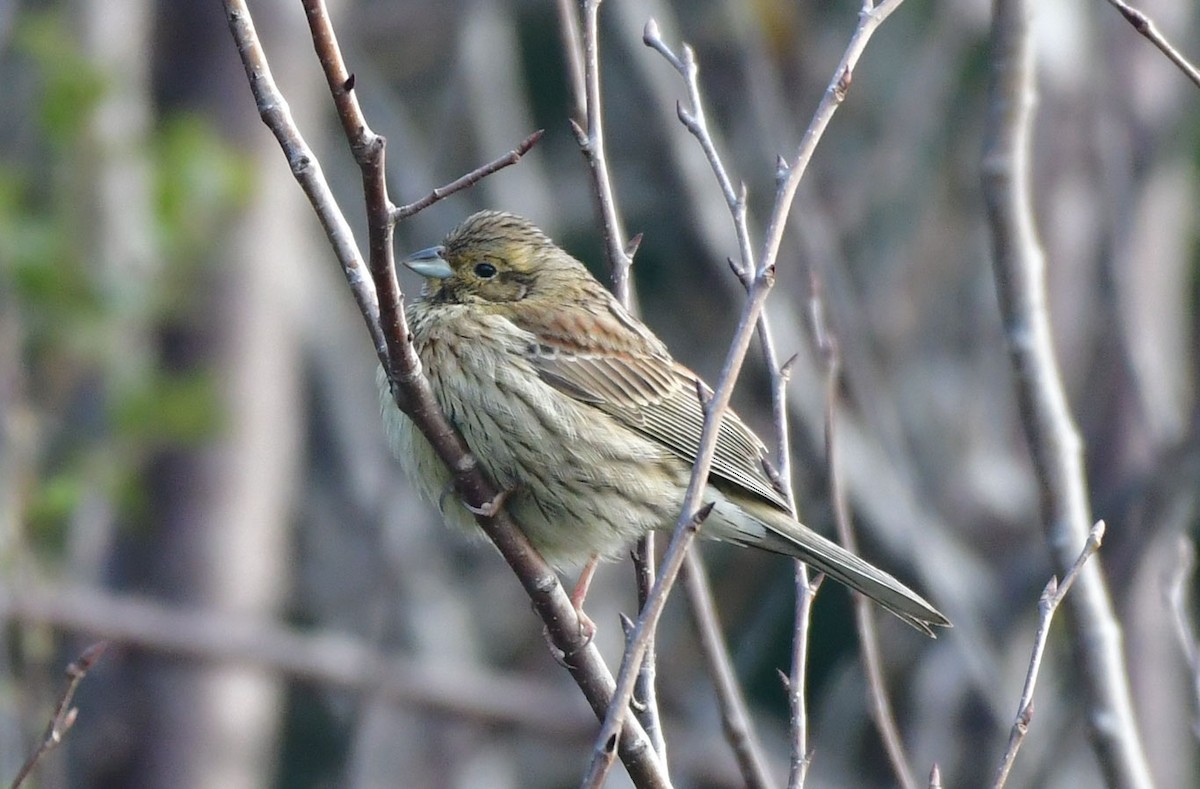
x: 491, y: 259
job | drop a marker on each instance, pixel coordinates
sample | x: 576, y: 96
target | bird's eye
x: 485, y: 270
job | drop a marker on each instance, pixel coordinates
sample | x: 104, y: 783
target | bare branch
x: 788, y: 176
x: 468, y: 180
x: 64, y: 714
x: 591, y: 143
x: 324, y: 657
x: 1177, y: 594
x: 1145, y: 25
x: 735, y: 717
x: 1055, y: 446
x: 410, y: 389
x: 1047, y: 605
x: 881, y: 705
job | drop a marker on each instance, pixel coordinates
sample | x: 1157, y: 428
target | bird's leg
x: 586, y: 626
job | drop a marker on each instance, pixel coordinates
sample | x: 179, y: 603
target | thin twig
x: 881, y: 704
x: 1019, y: 267
x: 1047, y: 605
x: 1145, y: 25
x: 645, y: 691
x: 64, y: 714
x: 1177, y: 590
x: 468, y: 180
x: 788, y: 177
x: 739, y: 731
x: 735, y: 716
x: 591, y: 143
x: 582, y: 47
x: 797, y: 678
x: 410, y: 389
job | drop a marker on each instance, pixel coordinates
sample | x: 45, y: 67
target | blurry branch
x: 1145, y: 25
x: 735, y: 715
x: 583, y: 54
x: 1047, y: 605
x: 788, y: 175
x: 381, y: 303
x: 64, y: 714
x: 881, y: 704
x: 1177, y: 590
x: 1055, y: 445
x: 324, y: 658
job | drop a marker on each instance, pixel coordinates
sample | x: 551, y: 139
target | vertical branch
x: 1054, y: 442
x: 583, y: 55
x: 591, y: 143
x: 729, y: 695
x: 881, y: 705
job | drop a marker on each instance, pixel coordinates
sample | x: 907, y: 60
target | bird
x: 582, y: 418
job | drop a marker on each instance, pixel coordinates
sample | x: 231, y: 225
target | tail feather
x: 800, y: 542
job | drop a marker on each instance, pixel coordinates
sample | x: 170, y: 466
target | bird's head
x: 495, y: 258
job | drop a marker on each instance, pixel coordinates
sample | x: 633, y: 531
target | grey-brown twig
x: 582, y: 47
x: 881, y: 705
x: 410, y: 389
x: 470, y: 179
x: 64, y: 714
x: 788, y: 178
x: 1145, y: 25
x: 737, y: 725
x: 735, y: 716
x: 1019, y: 266
x: 1047, y: 605
x: 1178, y: 588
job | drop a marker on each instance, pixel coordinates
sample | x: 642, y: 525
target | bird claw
x: 490, y: 507
x: 587, y: 632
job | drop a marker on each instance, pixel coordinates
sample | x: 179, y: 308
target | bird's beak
x: 429, y: 263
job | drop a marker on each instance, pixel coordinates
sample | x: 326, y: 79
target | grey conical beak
x: 429, y: 263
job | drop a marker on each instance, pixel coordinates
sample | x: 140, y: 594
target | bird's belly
x: 578, y: 483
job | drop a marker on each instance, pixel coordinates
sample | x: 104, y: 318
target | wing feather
x: 659, y: 398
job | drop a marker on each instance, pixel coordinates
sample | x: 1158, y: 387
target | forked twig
x: 787, y: 182
x: 1047, y: 605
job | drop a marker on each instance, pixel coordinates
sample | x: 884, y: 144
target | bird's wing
x: 660, y: 399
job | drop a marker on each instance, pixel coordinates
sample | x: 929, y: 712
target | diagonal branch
x: 64, y: 713
x: 1145, y: 25
x: 762, y: 281
x: 1051, y: 597
x: 409, y: 387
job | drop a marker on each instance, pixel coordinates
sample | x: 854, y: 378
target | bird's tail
x: 796, y: 540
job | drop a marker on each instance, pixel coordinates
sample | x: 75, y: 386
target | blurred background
x: 191, y: 460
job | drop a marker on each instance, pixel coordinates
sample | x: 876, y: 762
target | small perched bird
x: 580, y: 415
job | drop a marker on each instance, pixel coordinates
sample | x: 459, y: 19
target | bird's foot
x: 490, y: 507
